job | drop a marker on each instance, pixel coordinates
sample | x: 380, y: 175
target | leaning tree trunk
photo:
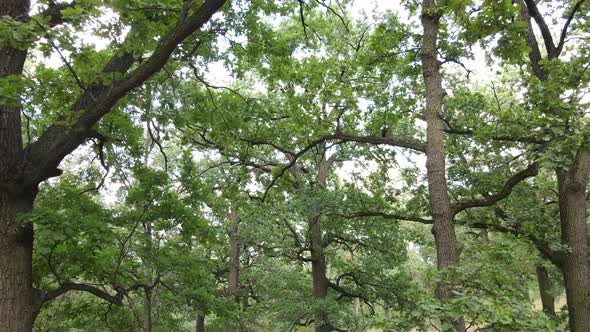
x: 547, y: 298
x: 443, y: 219
x: 574, y: 235
x: 233, y: 286
x: 16, y: 240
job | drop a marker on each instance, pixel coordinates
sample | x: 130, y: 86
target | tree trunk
x: 16, y: 248
x: 147, y: 309
x: 149, y: 288
x: 318, y: 259
x: 200, y: 323
x: 233, y: 286
x: 443, y: 219
x: 574, y: 234
x: 356, y: 306
x: 318, y: 271
x: 16, y: 240
x: 547, y: 298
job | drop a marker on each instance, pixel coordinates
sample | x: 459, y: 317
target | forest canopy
x: 219, y: 165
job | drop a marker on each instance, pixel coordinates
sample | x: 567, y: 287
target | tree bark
x: 233, y: 286
x: 318, y: 258
x: 547, y: 298
x: 318, y: 271
x: 442, y: 215
x: 16, y: 240
x: 16, y: 248
x: 147, y: 309
x: 200, y: 324
x: 575, y: 267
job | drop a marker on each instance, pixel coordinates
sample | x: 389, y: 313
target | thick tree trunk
x: 318, y: 271
x: 16, y: 250
x: 547, y: 298
x: 443, y: 228
x: 200, y: 324
x: 574, y: 235
x: 233, y: 286
x: 318, y: 259
x: 16, y: 241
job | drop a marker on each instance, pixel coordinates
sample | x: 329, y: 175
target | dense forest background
x: 212, y: 165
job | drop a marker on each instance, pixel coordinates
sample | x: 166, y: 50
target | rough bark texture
x: 318, y: 270
x: 442, y: 214
x: 575, y: 266
x: 233, y: 286
x: 200, y: 324
x: 16, y: 241
x: 16, y: 248
x: 318, y: 259
x: 547, y: 298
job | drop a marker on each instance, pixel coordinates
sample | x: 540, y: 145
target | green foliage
x: 148, y: 212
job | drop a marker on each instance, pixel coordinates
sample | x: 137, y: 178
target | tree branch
x: 71, y: 286
x: 383, y: 215
x: 534, y: 54
x: 59, y: 140
x: 53, y: 12
x: 543, y: 248
x: 567, y: 24
x: 545, y: 32
x: 520, y: 139
x: 528, y: 172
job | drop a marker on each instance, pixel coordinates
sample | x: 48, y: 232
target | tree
x: 23, y: 167
x: 552, y: 73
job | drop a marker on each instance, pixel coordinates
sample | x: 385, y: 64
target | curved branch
x: 71, y: 286
x: 528, y: 172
